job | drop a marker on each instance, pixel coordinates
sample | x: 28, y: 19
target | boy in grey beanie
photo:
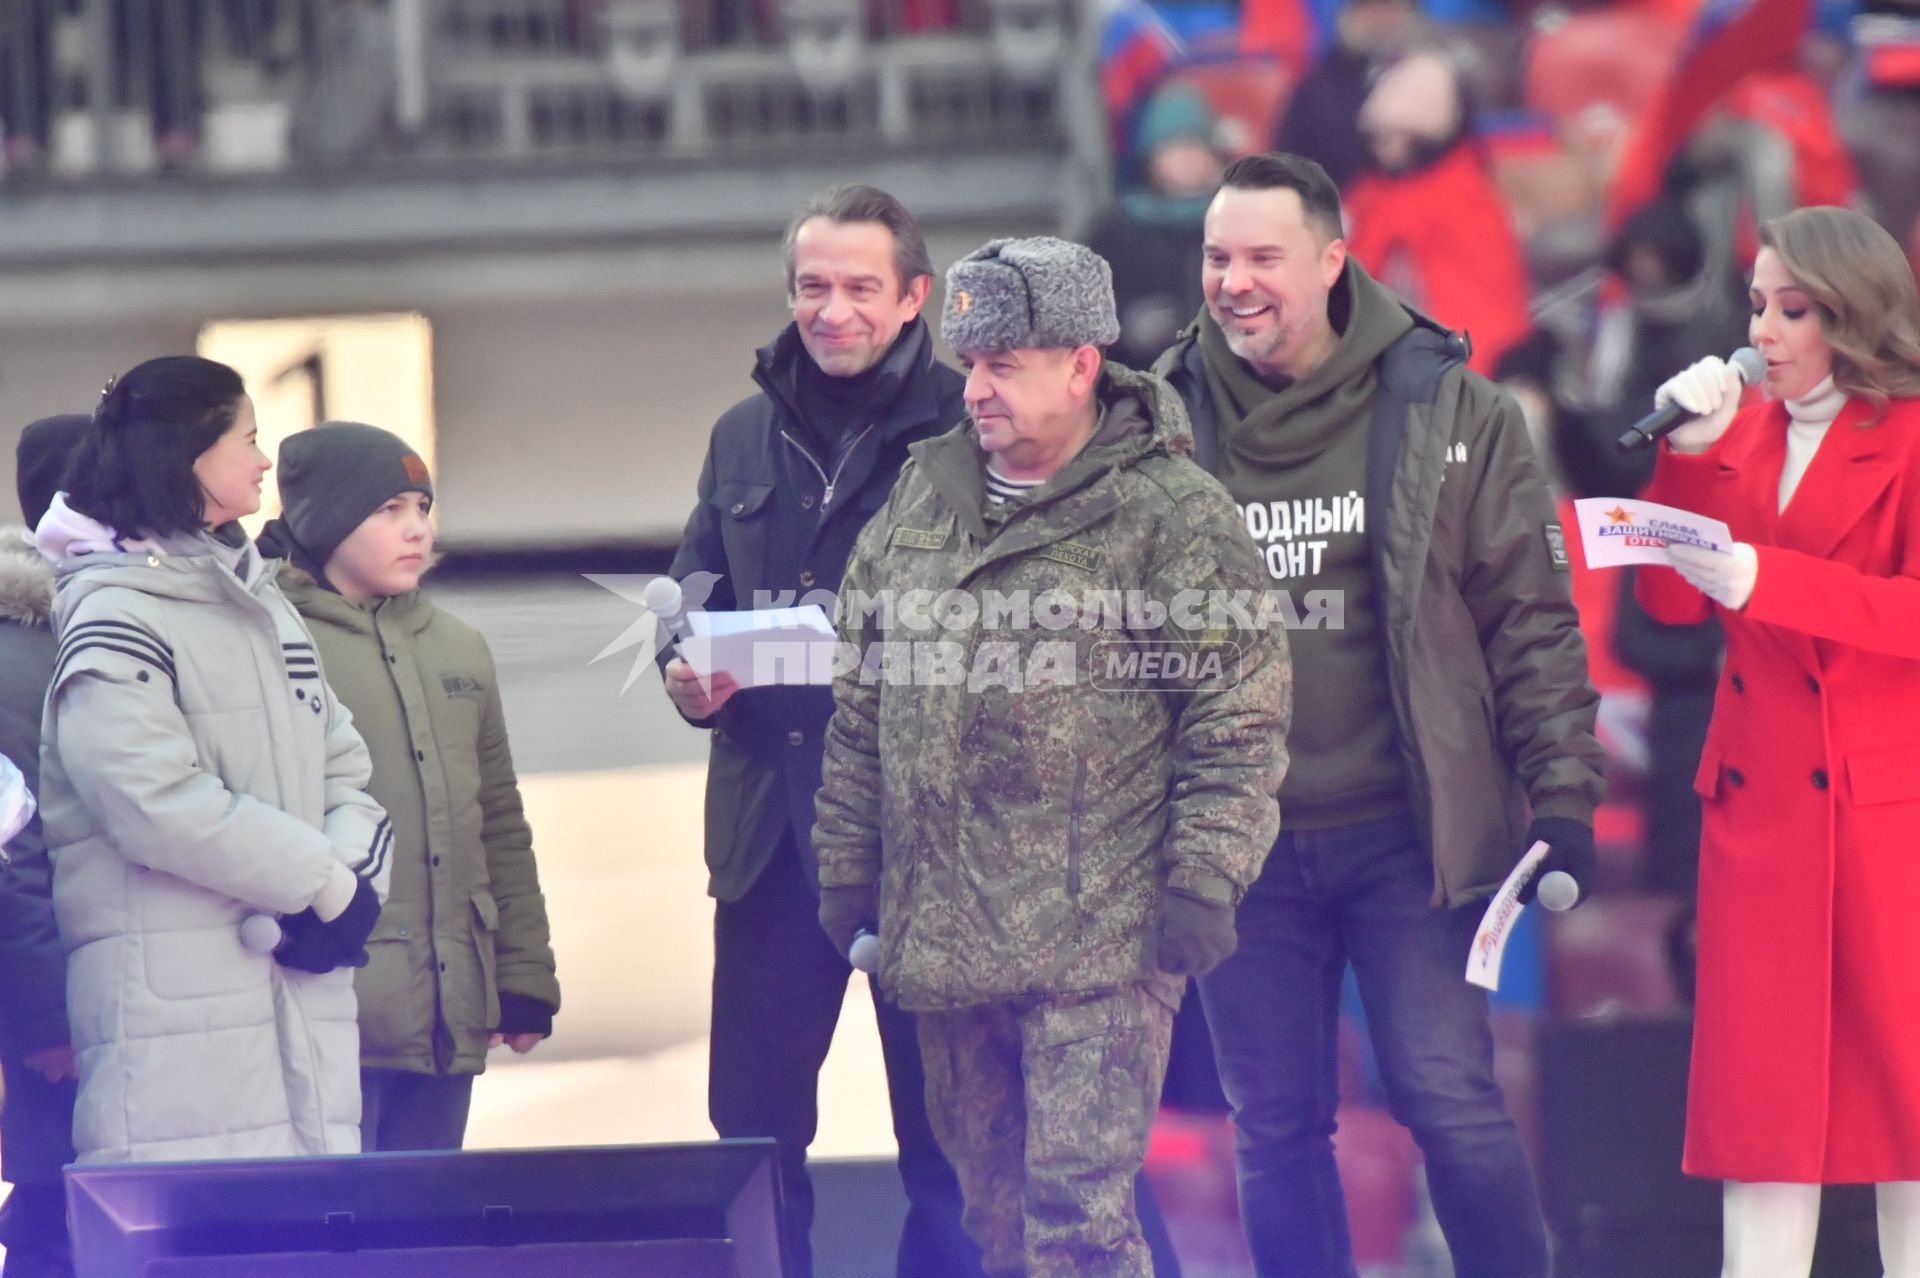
x: 331, y: 478
x: 461, y: 961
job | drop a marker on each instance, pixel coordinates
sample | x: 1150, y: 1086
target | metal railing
x: 117, y: 88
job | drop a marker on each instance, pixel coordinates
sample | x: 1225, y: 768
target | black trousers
x: 402, y: 1110
x: 778, y: 987
x: 36, y: 1130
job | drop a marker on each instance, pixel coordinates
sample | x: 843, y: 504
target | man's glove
x: 311, y: 945
x: 1569, y: 850
x: 1195, y: 933
x: 844, y: 910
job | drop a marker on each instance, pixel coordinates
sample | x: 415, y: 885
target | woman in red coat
x: 1806, y: 1055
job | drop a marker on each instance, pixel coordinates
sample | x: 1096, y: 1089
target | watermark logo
x: 1111, y: 640
x: 1145, y: 665
x: 1113, y: 665
x: 647, y: 635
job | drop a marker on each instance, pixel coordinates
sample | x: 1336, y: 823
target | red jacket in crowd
x: 1443, y: 238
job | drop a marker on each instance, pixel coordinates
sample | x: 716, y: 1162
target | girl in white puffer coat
x: 196, y: 772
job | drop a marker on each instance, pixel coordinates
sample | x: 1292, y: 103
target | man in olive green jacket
x: 1051, y: 774
x: 1446, y: 722
x: 461, y: 958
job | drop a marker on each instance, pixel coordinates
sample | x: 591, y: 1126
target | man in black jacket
x: 36, y: 1126
x: 791, y: 476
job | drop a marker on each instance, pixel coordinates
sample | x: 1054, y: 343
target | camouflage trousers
x: 1044, y: 1107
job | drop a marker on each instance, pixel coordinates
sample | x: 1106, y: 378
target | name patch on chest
x: 919, y: 538
x: 1071, y: 553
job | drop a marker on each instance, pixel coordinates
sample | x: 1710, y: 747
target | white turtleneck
x: 1809, y: 417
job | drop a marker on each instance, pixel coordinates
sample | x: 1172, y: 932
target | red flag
x: 1136, y: 48
x: 1728, y: 39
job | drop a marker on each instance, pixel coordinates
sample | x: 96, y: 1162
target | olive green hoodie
x: 1295, y: 460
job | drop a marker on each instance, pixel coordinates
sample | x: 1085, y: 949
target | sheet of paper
x: 1625, y: 530
x: 762, y: 647
x: 16, y: 801
x: 1496, y: 925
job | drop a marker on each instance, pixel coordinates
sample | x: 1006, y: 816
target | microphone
x: 1746, y: 361
x: 1558, y: 890
x: 664, y: 599
x: 864, y: 953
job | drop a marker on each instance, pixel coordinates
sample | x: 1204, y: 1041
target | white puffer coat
x: 195, y: 770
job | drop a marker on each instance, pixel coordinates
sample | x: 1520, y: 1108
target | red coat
x: 1443, y: 238
x: 1806, y: 1053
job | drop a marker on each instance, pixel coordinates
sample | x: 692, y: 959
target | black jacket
x: 36, y: 1124
x: 776, y: 520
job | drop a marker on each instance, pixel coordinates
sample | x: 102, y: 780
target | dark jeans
x: 402, y: 1110
x: 1360, y: 894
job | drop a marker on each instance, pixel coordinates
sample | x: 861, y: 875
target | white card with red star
x: 1615, y: 531
x: 1496, y: 925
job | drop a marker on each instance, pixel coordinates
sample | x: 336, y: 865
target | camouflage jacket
x: 1024, y: 787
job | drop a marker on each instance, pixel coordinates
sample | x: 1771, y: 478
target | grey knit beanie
x: 1014, y: 294
x: 334, y: 475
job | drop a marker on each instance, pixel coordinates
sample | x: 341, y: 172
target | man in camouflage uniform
x: 1045, y: 794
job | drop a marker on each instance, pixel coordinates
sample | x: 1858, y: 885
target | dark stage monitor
x: 654, y: 1211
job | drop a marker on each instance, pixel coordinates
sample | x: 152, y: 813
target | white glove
x: 1710, y: 390
x: 1724, y: 576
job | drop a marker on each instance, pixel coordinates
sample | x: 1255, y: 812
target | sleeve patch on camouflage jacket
x: 1557, y: 547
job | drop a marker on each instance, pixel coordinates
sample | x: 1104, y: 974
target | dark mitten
x: 522, y: 1015
x: 1195, y: 933
x: 313, y: 946
x: 354, y: 925
x: 304, y: 944
x: 1569, y: 850
x: 846, y: 909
